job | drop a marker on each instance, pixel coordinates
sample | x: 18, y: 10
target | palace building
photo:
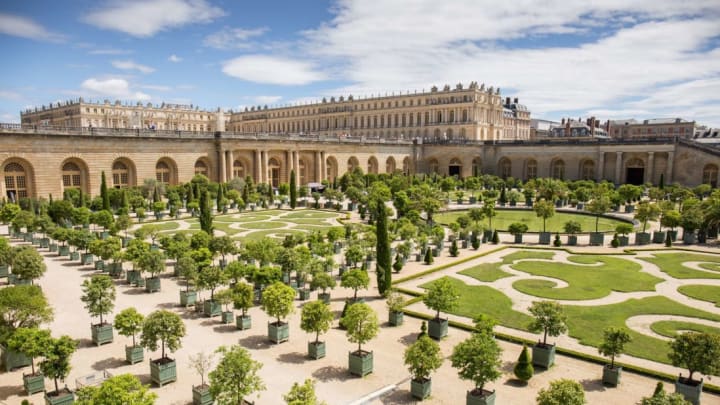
x: 463, y: 131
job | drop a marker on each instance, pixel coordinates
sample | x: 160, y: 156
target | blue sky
x: 610, y: 58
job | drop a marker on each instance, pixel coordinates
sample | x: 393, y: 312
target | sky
x: 613, y: 59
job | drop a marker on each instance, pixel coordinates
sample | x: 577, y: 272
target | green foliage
x: 316, y: 317
x: 495, y: 237
x: 56, y: 363
x: 22, y: 306
x: 152, y: 261
x: 293, y: 190
x: 614, y: 343
x: 429, y: 256
x: 544, y: 209
x: 442, y: 296
x: 129, y: 322
x: 477, y: 359
x: 105, y: 248
x: 454, y: 251
x: 663, y: 398
x: 384, y: 260
x: 235, y: 376
x: 673, y: 264
x: 117, y: 390
x: 243, y: 297
x: 104, y: 192
x: 647, y: 212
x: 517, y: 228
x: 211, y: 278
x: 697, y: 352
x: 224, y: 245
x: 302, y: 394
x: 422, y: 358
x: 32, y: 342
x: 524, y: 369
x: 277, y: 301
x: 361, y: 323
x: 562, y: 392
x: 98, y: 295
x: 165, y: 327
x: 549, y: 319
x: 323, y: 281
x: 395, y: 301
x: 355, y: 279
x: 27, y: 263
x: 206, y: 218
x: 8, y: 212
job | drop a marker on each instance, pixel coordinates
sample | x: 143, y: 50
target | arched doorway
x: 372, y: 165
x: 505, y: 168
x: 390, y: 165
x: 476, y: 166
x: 587, y: 170
x: 531, y: 169
x: 166, y: 171
x: 201, y: 167
x: 238, y: 169
x: 16, y: 181
x: 352, y: 164
x: 635, y: 172
x: 274, y: 172
x: 557, y: 169
x: 122, y: 174
x: 710, y: 175
x: 331, y: 168
x: 455, y: 167
x: 73, y: 177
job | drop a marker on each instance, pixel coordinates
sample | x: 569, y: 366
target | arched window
x: 372, y: 165
x: 455, y: 167
x: 71, y: 175
x: 588, y: 170
x: 238, y: 169
x: 558, y: 169
x: 15, y: 181
x: 710, y: 175
x: 476, y: 167
x: 201, y: 168
x: 162, y: 172
x: 390, y: 165
x: 406, y: 166
x: 120, y: 174
x: 352, y: 164
x: 531, y: 169
x: 434, y: 166
x: 505, y: 167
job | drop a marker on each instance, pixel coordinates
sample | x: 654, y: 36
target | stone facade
x: 653, y: 128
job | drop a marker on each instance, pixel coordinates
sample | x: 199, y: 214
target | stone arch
x: 406, y: 166
x: 557, y: 169
x: 123, y: 173
x: 241, y: 168
x: 476, y: 166
x: 166, y: 171
x: 434, y: 166
x: 455, y: 167
x: 587, y: 169
x: 202, y: 166
x: 530, y: 169
x: 372, y: 165
x: 75, y: 174
x: 18, y: 176
x: 274, y: 169
x: 331, y: 168
x: 710, y: 175
x: 504, y: 168
x: 463, y: 133
x: 352, y: 164
x: 635, y: 163
x: 390, y: 165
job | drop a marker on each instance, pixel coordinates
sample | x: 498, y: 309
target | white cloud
x: 272, y: 70
x: 267, y: 99
x: 232, y: 38
x: 10, y: 95
x: 9, y: 118
x: 156, y: 87
x: 110, y: 51
x: 145, y: 18
x: 130, y: 65
x: 112, y: 88
x: 26, y: 28
x: 174, y: 58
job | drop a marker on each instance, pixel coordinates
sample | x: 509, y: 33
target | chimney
x: 516, y: 100
x: 588, y: 121
x: 562, y: 122
x: 507, y: 100
x: 567, y: 127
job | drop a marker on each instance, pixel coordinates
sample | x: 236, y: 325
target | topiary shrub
x: 524, y: 369
x: 615, y: 242
x: 428, y: 256
x: 495, y: 238
x: 557, y: 242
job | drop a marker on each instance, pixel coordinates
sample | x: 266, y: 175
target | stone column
x: 296, y: 165
x: 651, y: 167
x: 257, y: 167
x: 323, y: 169
x: 229, y: 162
x: 618, y: 167
x: 601, y: 166
x: 222, y: 174
x: 290, y: 161
x: 669, y: 168
x: 265, y: 177
x: 317, y: 166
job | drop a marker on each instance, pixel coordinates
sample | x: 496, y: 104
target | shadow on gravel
x: 592, y: 384
x: 330, y: 373
x: 10, y: 390
x: 108, y: 364
x: 258, y: 342
x: 225, y: 328
x: 294, y: 358
x: 398, y: 396
x: 408, y: 339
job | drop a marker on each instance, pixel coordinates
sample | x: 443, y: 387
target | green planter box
x: 278, y: 333
x: 188, y: 298
x: 201, y: 395
x: 395, y: 318
x: 420, y: 389
x: 100, y: 265
x: 544, y: 238
x: 115, y: 269
x: 44, y: 243
x: 304, y: 294
x: 658, y: 237
x: 163, y: 371
x: 673, y: 235
x: 74, y: 256
x: 624, y: 240
x: 211, y: 308
x: 437, y: 328
x: 642, y: 238
x: 688, y: 238
x: 63, y: 250
x: 86, y: 259
x: 691, y: 390
x: 360, y: 364
x: 125, y: 241
x: 33, y: 383
x: 134, y: 354
x: 486, y: 398
x: 243, y: 322
x: 324, y: 297
x: 53, y: 247
x: 132, y: 276
x: 518, y: 238
x: 152, y: 284
x: 597, y: 238
x: 611, y: 376
x: 65, y: 397
x: 139, y: 281
x: 572, y: 240
x: 4, y: 270
x: 12, y: 360
x: 316, y: 351
x: 227, y: 317
x: 15, y: 280
x: 543, y: 355
x: 102, y: 334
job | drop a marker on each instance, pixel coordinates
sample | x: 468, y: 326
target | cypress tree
x: 293, y: 190
x: 524, y: 369
x: 220, y: 197
x: 104, y: 192
x: 382, y: 248
x: 454, y: 248
x: 156, y: 194
x: 428, y: 256
x: 190, y: 194
x: 495, y: 237
x: 206, y: 213
x: 125, y: 202
x: 81, y: 198
x: 662, y: 181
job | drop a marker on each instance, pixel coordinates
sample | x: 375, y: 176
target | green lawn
x: 489, y: 272
x: 710, y: 266
x: 587, y: 323
x: 555, y: 224
x: 277, y: 234
x: 586, y: 281
x: 671, y: 328
x: 309, y: 214
x: 309, y: 221
x: 702, y: 292
x: 263, y: 225
x: 250, y: 218
x: 163, y: 226
x: 476, y: 300
x: 672, y: 264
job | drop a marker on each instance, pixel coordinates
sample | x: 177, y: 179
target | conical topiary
x: 428, y: 256
x: 423, y: 330
x: 454, y: 248
x: 495, y: 237
x: 524, y: 368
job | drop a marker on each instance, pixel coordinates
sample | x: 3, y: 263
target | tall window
x: 588, y: 170
x: 710, y: 175
x: 201, y: 168
x: 15, y: 181
x: 531, y: 170
x: 505, y: 168
x: 352, y: 163
x: 372, y: 165
x: 71, y: 175
x: 120, y: 174
x: 558, y: 169
x: 162, y: 172
x: 238, y: 169
x: 390, y: 165
x: 476, y: 167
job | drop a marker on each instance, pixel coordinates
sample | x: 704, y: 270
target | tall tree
x: 293, y: 190
x: 206, y: 218
x: 104, y: 192
x: 382, y: 248
x: 235, y: 376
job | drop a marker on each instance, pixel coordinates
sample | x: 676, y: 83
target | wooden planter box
x: 642, y: 238
x: 544, y: 238
x: 420, y: 389
x: 304, y: 294
x: 543, y: 356
x: 163, y: 371
x: 102, y: 333
x: 360, y: 364
x: 597, y: 238
x: 316, y: 351
x: 86, y: 259
x: 211, y: 308
x: 188, y: 298
x: 74, y: 256
x: 227, y: 317
x: 243, y: 322
x: 691, y: 390
x: 115, y: 269
x: 658, y: 237
x: 33, y: 383
x: 673, y: 235
x: 324, y: 297
x: 486, y: 398
x: 4, y: 270
x: 518, y: 238
x: 53, y: 247
x: 278, y: 333
x: 134, y: 354
x: 152, y: 284
x: 437, y: 328
x: 611, y: 376
x: 64, y: 397
x: 572, y: 240
x: 63, y: 250
x: 44, y: 243
x: 623, y: 240
x: 131, y: 276
x: 688, y: 238
x: 629, y: 208
x: 12, y: 360
x: 396, y: 318
x: 100, y: 265
x: 201, y: 395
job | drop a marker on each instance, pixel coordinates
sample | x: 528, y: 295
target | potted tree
x: 153, y: 262
x: 544, y: 209
x: 550, y: 320
x: 27, y: 265
x: 422, y: 358
x: 20, y: 306
x: 361, y: 324
x: 395, y: 303
x: 563, y: 391
x: 167, y: 328
x: 129, y: 322
x: 302, y: 394
x: 104, y: 249
x: 187, y: 269
x: 32, y: 343
x: 211, y: 278
x: 135, y: 250
x: 5, y: 256
x: 316, y: 317
x: 224, y: 245
x: 572, y: 228
x: 99, y: 298
x: 613, y: 345
x: 62, y: 235
x: 478, y: 360
x: 56, y: 365
x: 277, y: 302
x: 243, y: 299
x: 518, y: 229
x: 202, y: 362
x: 697, y: 352
x: 671, y: 219
x: 442, y: 296
x: 323, y: 281
x: 119, y: 389
x: 225, y: 298
x: 623, y: 230
x: 599, y: 205
x: 236, y: 376
x: 645, y: 212
x: 355, y: 279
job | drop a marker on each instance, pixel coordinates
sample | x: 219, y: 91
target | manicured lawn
x: 250, y: 218
x: 711, y: 266
x: 587, y: 323
x: 309, y: 221
x: 277, y: 234
x: 309, y: 214
x: 672, y: 264
x: 163, y: 226
x: 489, y: 272
x: 586, y: 280
x: 671, y: 328
x: 263, y: 225
x: 708, y: 293
x: 555, y: 224
x: 476, y: 300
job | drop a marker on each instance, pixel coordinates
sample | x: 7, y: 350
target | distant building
x: 651, y: 128
x: 542, y: 128
x: 571, y: 128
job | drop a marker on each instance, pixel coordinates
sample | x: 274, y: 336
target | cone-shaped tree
x: 104, y: 192
x: 293, y: 190
x: 384, y: 260
x: 524, y: 369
